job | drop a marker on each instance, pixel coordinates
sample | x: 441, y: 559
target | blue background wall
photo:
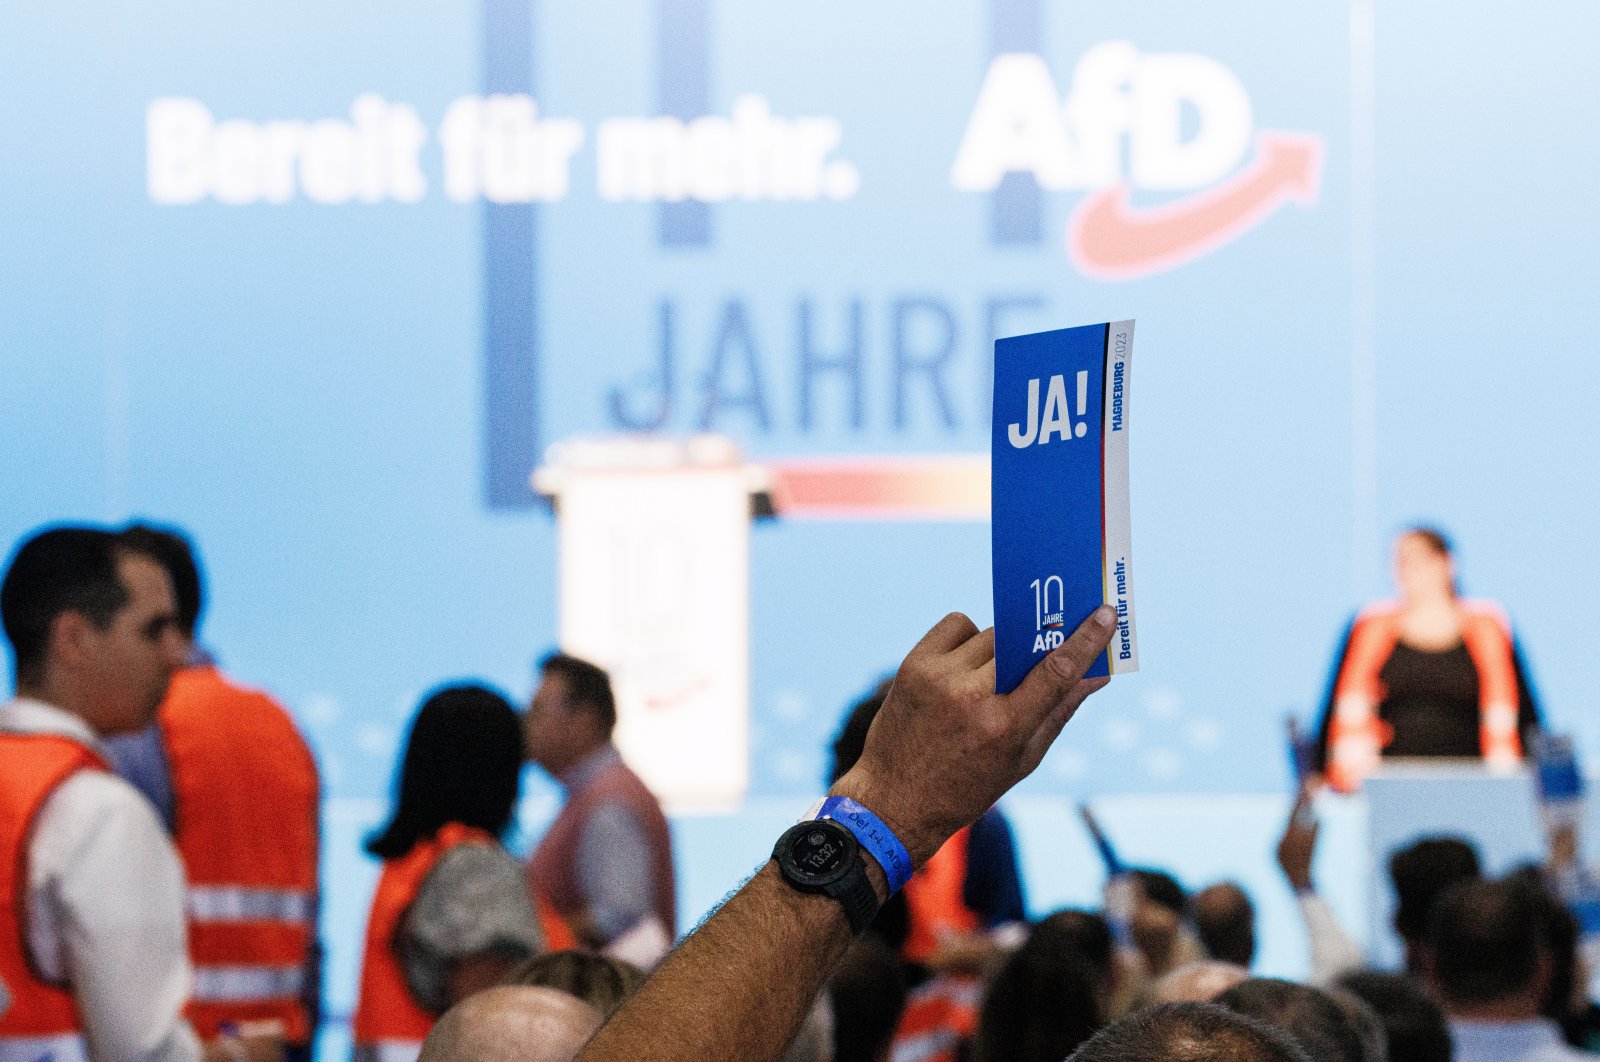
x: 304, y: 385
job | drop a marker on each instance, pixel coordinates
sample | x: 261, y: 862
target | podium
x: 654, y: 586
x: 1407, y: 800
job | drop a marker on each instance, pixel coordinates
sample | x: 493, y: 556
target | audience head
x: 1486, y: 954
x: 1046, y: 999
x: 572, y: 714
x: 1197, y: 982
x: 173, y: 550
x: 1159, y: 921
x: 1414, y: 1027
x: 1568, y: 990
x: 1421, y: 873
x: 1085, y: 931
x: 598, y: 980
x: 462, y: 764
x: 1225, y: 919
x: 1189, y: 1032
x: 512, y: 1023
x: 868, y: 993
x: 852, y: 736
x: 1364, y: 1021
x: 1161, y: 888
x: 1318, y: 1024
x: 93, y: 626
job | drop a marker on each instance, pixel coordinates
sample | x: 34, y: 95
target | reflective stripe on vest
x: 35, y: 765
x: 388, y: 1051
x: 939, y: 1016
x: 245, y: 793
x: 237, y: 903
x: 68, y: 1047
x: 558, y: 935
x: 386, y: 1012
x: 248, y: 984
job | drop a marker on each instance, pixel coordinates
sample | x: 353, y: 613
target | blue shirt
x: 993, y: 887
x: 613, y: 854
x: 1514, y: 1041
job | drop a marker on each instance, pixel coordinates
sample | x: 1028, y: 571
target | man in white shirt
x: 95, y: 948
x: 1489, y: 964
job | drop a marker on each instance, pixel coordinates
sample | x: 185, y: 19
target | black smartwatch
x: 821, y: 856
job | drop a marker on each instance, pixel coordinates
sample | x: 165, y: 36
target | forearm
x: 738, y: 988
x: 1333, y: 953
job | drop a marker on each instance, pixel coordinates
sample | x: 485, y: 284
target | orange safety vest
x: 934, y: 897
x: 558, y: 935
x: 1356, y: 736
x: 388, y: 1020
x: 43, y: 1019
x: 939, y: 1017
x: 245, y: 792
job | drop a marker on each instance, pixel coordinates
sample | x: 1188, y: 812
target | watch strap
x: 859, y: 900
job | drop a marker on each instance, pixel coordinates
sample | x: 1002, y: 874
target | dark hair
x: 172, y: 549
x: 1363, y: 1021
x: 852, y: 736
x: 1086, y: 931
x: 868, y: 993
x: 1413, y: 1024
x: 1189, y: 1032
x: 599, y: 980
x: 587, y: 684
x: 1315, y: 1021
x: 1437, y: 540
x: 1225, y: 921
x: 1421, y: 873
x: 462, y: 764
x: 1044, y: 1001
x: 1161, y: 888
x: 1561, y: 932
x: 1485, y: 940
x: 58, y: 570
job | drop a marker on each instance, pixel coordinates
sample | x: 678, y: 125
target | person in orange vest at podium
x: 92, y: 931
x: 602, y: 875
x: 451, y: 914
x: 1428, y: 674
x: 237, y: 787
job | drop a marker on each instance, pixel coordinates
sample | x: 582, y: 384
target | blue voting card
x: 1059, y: 502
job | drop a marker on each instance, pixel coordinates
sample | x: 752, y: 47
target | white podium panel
x: 654, y: 587
x: 1408, y: 800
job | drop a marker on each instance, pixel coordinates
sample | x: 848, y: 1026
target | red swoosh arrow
x: 1109, y: 240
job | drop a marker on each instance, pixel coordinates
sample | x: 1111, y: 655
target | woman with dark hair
x: 451, y: 913
x: 1428, y: 674
x: 1049, y: 997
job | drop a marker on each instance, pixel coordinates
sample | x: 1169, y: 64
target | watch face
x: 821, y: 851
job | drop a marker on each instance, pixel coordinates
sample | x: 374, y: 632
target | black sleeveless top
x: 1432, y: 702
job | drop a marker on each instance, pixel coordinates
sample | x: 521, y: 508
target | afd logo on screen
x: 1187, y: 123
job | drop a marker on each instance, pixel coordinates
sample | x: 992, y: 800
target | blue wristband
x: 873, y: 835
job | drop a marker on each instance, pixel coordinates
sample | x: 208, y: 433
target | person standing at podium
x: 1428, y: 674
